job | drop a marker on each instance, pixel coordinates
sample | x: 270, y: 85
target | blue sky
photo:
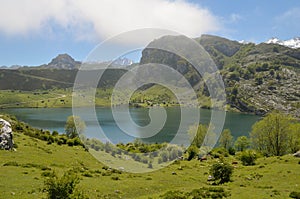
x: 33, y: 32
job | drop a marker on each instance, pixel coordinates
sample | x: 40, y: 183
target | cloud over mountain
x: 103, y: 18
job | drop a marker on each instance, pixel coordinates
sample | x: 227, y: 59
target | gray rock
x: 6, y: 135
x: 297, y: 154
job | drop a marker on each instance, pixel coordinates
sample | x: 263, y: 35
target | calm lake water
x: 55, y: 118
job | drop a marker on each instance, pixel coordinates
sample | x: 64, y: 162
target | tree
x: 74, y: 126
x: 221, y: 172
x: 270, y: 136
x: 202, y: 137
x: 197, y: 135
x: 242, y: 143
x: 294, y: 138
x: 226, y: 139
x: 248, y: 157
x: 192, y: 152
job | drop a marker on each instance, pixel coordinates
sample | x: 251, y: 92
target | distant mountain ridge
x: 258, y: 78
x: 65, y: 61
x: 291, y: 43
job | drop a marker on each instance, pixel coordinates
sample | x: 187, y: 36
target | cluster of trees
x: 74, y: 127
x: 276, y: 134
x: 138, y: 150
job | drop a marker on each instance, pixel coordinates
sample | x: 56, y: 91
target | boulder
x: 6, y: 135
x: 297, y: 154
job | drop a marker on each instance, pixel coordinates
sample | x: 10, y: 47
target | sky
x: 32, y: 32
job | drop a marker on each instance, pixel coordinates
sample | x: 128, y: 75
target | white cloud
x: 235, y: 18
x: 103, y: 18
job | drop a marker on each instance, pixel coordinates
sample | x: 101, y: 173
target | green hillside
x: 24, y: 171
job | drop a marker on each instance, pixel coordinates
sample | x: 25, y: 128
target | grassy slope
x: 49, y: 98
x: 270, y: 176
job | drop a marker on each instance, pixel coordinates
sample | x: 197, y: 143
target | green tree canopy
x: 197, y: 135
x: 272, y: 134
x: 242, y: 143
x: 294, y: 138
x: 74, y: 126
x: 226, y: 139
x: 202, y: 137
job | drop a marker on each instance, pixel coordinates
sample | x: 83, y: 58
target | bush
x: 164, y: 155
x: 64, y: 187
x: 51, y: 139
x: 219, y: 152
x: 231, y: 151
x: 295, y: 194
x: 55, y: 133
x: 204, y: 192
x: 248, y: 157
x: 211, y: 192
x: 70, y: 142
x: 160, y: 160
x: 77, y: 142
x: 221, y: 172
x: 63, y: 139
x: 174, y: 195
x: 192, y: 152
x: 12, y: 163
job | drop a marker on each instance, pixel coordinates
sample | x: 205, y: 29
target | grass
x: 35, y: 99
x: 24, y: 171
x: 56, y: 98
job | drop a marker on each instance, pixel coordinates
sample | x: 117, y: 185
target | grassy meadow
x: 24, y: 171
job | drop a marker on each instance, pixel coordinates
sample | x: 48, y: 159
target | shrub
x: 12, y: 163
x: 219, y: 152
x: 248, y: 157
x: 295, y: 194
x: 70, y: 142
x: 221, y: 172
x: 211, y: 192
x: 55, y: 133
x: 192, y: 152
x: 159, y: 160
x: 174, y: 195
x: 204, y: 192
x: 150, y: 166
x: 87, y: 174
x: 60, y: 142
x: 115, y: 178
x: 77, y: 141
x: 64, y: 187
x: 231, y: 151
x: 51, y: 139
x: 164, y: 155
x: 63, y: 139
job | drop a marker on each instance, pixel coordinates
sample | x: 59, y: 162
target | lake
x: 55, y: 118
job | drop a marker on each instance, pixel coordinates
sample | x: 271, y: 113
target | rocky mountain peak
x: 63, y: 61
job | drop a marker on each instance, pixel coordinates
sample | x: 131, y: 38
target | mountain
x: 123, y: 62
x: 291, y: 43
x: 63, y: 61
x: 258, y: 78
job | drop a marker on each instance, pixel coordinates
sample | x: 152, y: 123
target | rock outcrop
x: 6, y: 135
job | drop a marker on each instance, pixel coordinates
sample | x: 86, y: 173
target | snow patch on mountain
x: 291, y: 43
